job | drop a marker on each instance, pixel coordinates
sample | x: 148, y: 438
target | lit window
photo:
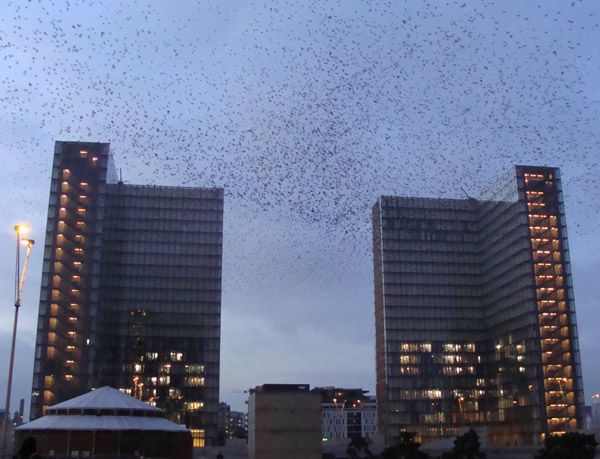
x: 193, y: 406
x: 81, y: 211
x: 198, y: 438
x: 83, y: 153
x: 193, y: 381
x: 164, y: 368
x: 194, y: 368
x: 176, y: 356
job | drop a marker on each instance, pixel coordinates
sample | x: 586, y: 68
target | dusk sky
x: 305, y: 112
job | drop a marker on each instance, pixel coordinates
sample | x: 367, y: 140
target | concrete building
x: 474, y: 311
x: 232, y: 424
x: 595, y: 413
x: 347, y: 414
x: 284, y: 422
x: 131, y: 291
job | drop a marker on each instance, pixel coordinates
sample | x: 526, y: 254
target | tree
x: 407, y: 448
x: 572, y: 445
x: 466, y: 446
x: 359, y: 447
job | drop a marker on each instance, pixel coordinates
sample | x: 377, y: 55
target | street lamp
x: 20, y: 230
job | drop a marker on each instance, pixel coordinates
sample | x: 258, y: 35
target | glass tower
x: 474, y: 313
x: 131, y: 291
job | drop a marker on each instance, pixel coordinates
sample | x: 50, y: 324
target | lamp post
x: 19, y: 280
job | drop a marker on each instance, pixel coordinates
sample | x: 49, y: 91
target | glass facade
x: 461, y: 337
x: 138, y: 274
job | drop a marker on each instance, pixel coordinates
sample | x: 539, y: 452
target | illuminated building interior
x: 553, y: 301
x: 474, y: 318
x: 131, y: 291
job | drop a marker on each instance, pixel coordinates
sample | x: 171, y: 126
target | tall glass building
x: 474, y: 312
x: 131, y: 291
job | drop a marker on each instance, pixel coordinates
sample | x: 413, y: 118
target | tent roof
x: 87, y: 422
x: 105, y: 398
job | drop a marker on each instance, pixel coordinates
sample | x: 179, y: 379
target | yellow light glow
x: 22, y: 229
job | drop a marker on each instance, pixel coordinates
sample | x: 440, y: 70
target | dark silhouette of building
x: 475, y: 319
x: 131, y: 290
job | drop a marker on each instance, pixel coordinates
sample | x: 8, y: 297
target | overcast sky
x: 305, y: 112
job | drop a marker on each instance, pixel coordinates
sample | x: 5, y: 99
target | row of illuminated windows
x: 444, y: 347
x: 449, y: 370
x: 439, y: 359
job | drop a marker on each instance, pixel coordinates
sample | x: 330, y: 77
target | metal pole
x: 12, y: 347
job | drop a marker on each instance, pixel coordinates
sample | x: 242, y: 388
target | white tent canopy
x: 105, y: 398
x: 75, y: 414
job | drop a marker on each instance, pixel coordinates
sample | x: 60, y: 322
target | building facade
x: 347, y: 414
x: 131, y: 291
x: 284, y: 422
x: 232, y: 424
x: 595, y: 413
x: 475, y: 319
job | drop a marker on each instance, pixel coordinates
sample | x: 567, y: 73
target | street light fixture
x: 19, y: 281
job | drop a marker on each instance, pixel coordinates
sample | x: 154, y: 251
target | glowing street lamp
x: 20, y: 230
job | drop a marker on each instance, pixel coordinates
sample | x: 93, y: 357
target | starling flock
x: 305, y: 112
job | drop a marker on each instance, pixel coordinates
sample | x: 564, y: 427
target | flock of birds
x: 306, y: 111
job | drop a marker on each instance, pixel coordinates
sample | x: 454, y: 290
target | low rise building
x: 107, y: 423
x: 284, y: 422
x: 347, y: 414
x: 595, y: 415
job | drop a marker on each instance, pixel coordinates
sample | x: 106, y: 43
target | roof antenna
x: 121, y: 176
x: 466, y: 194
